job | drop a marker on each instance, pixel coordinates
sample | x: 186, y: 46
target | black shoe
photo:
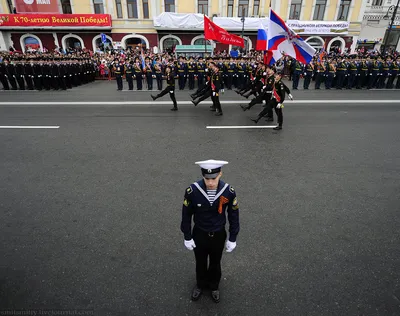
x: 244, y: 108
x: 195, y: 103
x: 174, y: 109
x: 219, y: 114
x: 254, y: 120
x: 196, y: 293
x: 215, y: 296
x: 269, y: 119
x: 277, y: 128
x: 153, y: 97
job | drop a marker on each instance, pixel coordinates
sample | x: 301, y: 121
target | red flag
x: 213, y: 32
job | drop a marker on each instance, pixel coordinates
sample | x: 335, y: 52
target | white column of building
x: 177, y: 6
x: 110, y: 9
x: 337, y: 10
x: 303, y: 5
x: 56, y: 42
x: 124, y: 9
x: 313, y: 9
x: 236, y: 13
x: 3, y: 44
x: 328, y: 3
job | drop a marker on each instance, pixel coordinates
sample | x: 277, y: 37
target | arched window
x: 201, y: 41
x: 170, y: 43
x: 315, y: 42
x: 31, y: 44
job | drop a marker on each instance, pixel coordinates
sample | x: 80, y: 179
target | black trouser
x: 118, y: 78
x: 307, y: 80
x: 257, y: 100
x: 209, y: 246
x: 351, y: 79
x: 200, y: 80
x: 272, y: 105
x: 62, y: 83
x: 29, y: 82
x: 159, y: 81
x: 216, y: 103
x: 54, y: 82
x: 171, y: 91
x: 4, y: 82
x: 129, y: 79
x: 149, y: 79
x: 139, y: 81
x: 318, y: 80
x: 21, y: 82
x: 201, y: 91
x: 205, y: 95
x: 229, y: 80
x: 191, y: 80
x: 391, y: 79
x: 181, y: 81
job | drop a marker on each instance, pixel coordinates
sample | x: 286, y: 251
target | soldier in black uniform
x: 138, y: 73
x: 210, y: 202
x: 148, y: 71
x: 20, y: 73
x: 201, y: 68
x: 169, y: 89
x: 29, y: 73
x: 192, y: 70
x: 394, y: 71
x: 215, y: 88
x: 4, y: 75
x: 38, y: 74
x: 276, y: 102
x: 10, y: 68
x: 118, y: 70
x: 231, y: 72
x: 129, y: 73
x: 181, y: 69
x: 309, y: 70
x: 158, y: 69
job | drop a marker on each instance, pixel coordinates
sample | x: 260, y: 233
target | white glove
x: 264, y: 87
x: 189, y: 244
x: 230, y: 246
x: 279, y: 106
x: 213, y: 94
x: 290, y: 97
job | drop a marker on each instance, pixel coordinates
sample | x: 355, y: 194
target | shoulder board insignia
x: 235, y: 202
x: 189, y: 190
x: 231, y: 189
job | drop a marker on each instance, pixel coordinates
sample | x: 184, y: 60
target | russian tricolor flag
x: 261, y: 40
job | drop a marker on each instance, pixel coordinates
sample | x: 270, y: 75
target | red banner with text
x: 213, y: 32
x: 55, y: 20
x: 37, y: 6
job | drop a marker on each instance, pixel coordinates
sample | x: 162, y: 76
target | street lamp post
x: 386, y: 17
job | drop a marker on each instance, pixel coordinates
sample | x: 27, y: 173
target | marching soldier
x: 298, y: 70
x: 10, y: 70
x: 353, y: 69
x: 215, y: 88
x: 210, y: 202
x: 4, y: 75
x: 319, y: 74
x: 394, y: 71
x: 20, y: 74
x: 169, y: 89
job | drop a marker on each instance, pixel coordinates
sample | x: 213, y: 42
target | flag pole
x: 205, y: 41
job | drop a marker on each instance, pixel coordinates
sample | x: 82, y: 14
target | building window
x: 169, y: 5
x: 132, y: 9
x: 230, y: 8
x: 170, y: 43
x: 377, y: 2
x: 118, y: 6
x: 202, y: 7
x: 319, y: 11
x: 66, y: 6
x: 256, y: 7
x: 201, y: 41
x: 98, y: 6
x: 145, y: 9
x: 344, y: 9
x: 295, y: 9
x: 243, y: 8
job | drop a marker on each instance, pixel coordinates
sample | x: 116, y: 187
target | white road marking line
x: 31, y: 127
x: 240, y: 127
x: 168, y: 102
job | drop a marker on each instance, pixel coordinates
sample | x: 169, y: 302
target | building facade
x: 150, y: 23
x: 375, y: 25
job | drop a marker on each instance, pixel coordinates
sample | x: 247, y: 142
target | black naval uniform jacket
x: 279, y: 92
x: 210, y: 217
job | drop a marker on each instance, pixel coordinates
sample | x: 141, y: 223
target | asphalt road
x: 90, y: 212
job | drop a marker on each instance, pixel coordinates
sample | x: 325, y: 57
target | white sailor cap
x: 211, y: 168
